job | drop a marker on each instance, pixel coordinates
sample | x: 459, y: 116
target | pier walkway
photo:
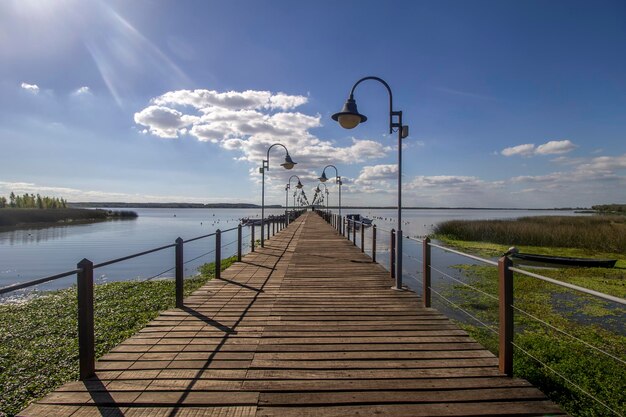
x: 307, y: 326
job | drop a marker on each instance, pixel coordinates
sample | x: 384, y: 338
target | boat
x: 564, y: 260
x: 360, y: 220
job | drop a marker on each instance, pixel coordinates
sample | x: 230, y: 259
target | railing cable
x: 567, y: 334
x: 493, y: 297
x: 467, y: 255
x: 488, y: 327
x: 571, y: 286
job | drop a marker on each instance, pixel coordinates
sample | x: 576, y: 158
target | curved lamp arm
x: 383, y: 82
x: 266, y: 162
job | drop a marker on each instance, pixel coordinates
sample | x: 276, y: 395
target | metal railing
x: 85, y: 281
x: 506, y: 308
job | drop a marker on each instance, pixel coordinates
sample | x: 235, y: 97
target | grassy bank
x: 596, y: 322
x: 596, y: 373
x: 38, y: 339
x: 24, y: 217
x: 590, y: 233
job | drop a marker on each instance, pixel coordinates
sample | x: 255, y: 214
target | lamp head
x: 299, y: 185
x: 317, y: 190
x: 323, y: 178
x: 288, y: 164
x: 349, y: 116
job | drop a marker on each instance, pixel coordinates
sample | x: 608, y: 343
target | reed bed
x: 595, y: 233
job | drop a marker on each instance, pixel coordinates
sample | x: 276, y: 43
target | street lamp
x: 287, y: 188
x: 349, y: 118
x: 288, y: 164
x: 317, y: 191
x: 323, y: 178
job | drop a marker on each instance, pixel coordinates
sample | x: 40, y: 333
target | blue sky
x: 510, y: 104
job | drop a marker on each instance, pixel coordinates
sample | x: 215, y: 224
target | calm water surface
x: 30, y: 254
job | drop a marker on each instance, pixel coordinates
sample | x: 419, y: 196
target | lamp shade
x: 288, y: 164
x: 299, y: 185
x: 323, y: 178
x: 349, y: 116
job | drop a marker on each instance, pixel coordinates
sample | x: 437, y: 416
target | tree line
x: 32, y: 201
x: 610, y: 208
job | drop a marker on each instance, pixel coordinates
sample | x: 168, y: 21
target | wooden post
x: 218, y: 254
x: 239, y: 243
x: 86, y: 338
x: 506, y: 315
x: 392, y: 257
x: 354, y: 232
x: 252, y: 238
x: 268, y: 230
x: 374, y: 243
x: 426, y: 296
x: 362, y: 238
x: 179, y: 273
x: 273, y: 228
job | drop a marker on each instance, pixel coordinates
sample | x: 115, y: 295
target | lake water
x: 33, y: 253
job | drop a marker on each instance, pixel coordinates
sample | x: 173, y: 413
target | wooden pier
x: 307, y: 326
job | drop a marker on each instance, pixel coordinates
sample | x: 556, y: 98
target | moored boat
x: 564, y: 260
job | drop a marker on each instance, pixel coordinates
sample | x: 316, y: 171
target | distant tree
x: 12, y: 199
x: 39, y: 202
x: 3, y: 202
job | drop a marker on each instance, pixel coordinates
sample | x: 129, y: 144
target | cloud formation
x: 553, y: 147
x: 248, y: 122
x: 32, y: 88
x: 82, y: 91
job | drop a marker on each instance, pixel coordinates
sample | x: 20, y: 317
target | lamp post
x: 323, y: 178
x: 287, y: 188
x: 317, y: 191
x: 349, y: 118
x: 288, y: 164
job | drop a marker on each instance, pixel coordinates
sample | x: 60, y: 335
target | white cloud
x: 377, y: 173
x: 82, y: 91
x: 555, y: 147
x: 161, y: 121
x: 526, y: 149
x: 32, y: 88
x: 549, y: 148
x: 249, y: 99
x: 249, y: 122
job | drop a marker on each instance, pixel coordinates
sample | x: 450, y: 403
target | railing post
x: 362, y: 238
x: 218, y: 254
x: 273, y: 228
x: 392, y: 257
x: 86, y: 338
x: 426, y: 296
x: 506, y: 315
x: 354, y: 232
x: 252, y: 238
x: 268, y: 230
x: 239, y: 243
x: 179, y: 273
x: 374, y: 243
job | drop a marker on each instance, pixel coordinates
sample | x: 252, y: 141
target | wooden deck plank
x: 307, y: 326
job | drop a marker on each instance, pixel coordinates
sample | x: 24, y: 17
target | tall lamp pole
x: 349, y: 118
x: 317, y: 191
x: 324, y: 178
x: 287, y: 188
x: 288, y: 164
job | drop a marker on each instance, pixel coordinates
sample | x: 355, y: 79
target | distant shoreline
x: 16, y: 219
x: 276, y: 206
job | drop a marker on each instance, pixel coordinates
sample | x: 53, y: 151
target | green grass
x: 38, y: 339
x: 596, y: 373
x: 579, y: 315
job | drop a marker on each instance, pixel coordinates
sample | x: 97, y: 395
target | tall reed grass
x: 595, y: 233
